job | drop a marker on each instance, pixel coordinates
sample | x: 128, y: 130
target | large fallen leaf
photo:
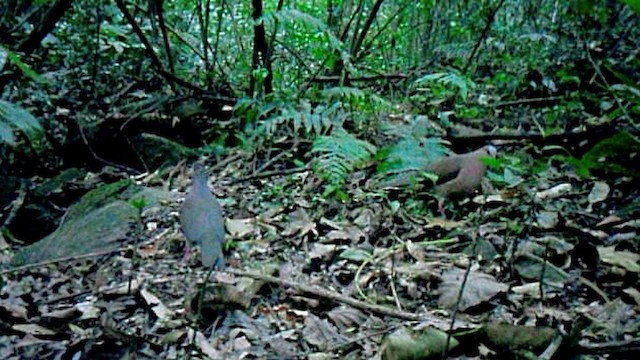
x: 241, y: 227
x: 599, y: 192
x: 624, y: 259
x: 157, y: 306
x: 509, y: 339
x: 479, y: 288
x: 320, y: 333
x: 33, y: 329
x: 405, y: 344
x: 531, y: 267
x: 300, y: 223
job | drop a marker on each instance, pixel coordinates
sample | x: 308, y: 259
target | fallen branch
x: 331, y: 295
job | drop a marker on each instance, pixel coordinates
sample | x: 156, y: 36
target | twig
x: 596, y: 68
x: 16, y: 204
x: 392, y: 274
x: 275, y: 158
x: 590, y: 133
x: 612, y: 347
x: 530, y: 101
x: 59, y: 260
x: 273, y: 173
x: 456, y: 308
x: 318, y: 291
x: 552, y: 348
x: 99, y: 158
x: 483, y: 35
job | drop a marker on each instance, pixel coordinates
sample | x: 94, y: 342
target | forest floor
x: 509, y: 272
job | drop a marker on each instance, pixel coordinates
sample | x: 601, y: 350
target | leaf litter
x: 348, y: 280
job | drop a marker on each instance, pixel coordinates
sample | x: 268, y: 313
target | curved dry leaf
x: 624, y: 259
x: 355, y: 254
x: 347, y: 317
x: 552, y: 193
x: 300, y: 223
x: 321, y: 251
x: 240, y: 227
x: 157, y: 306
x: 88, y: 310
x: 547, y: 219
x: 33, y: 329
x: 531, y: 267
x: 599, y: 192
x: 13, y: 311
x: 321, y: 333
x: 428, y: 343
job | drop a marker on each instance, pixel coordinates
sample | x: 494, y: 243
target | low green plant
x: 14, y: 118
x: 337, y: 155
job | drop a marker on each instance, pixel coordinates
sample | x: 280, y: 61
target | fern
x: 339, y: 154
x: 340, y: 92
x: 450, y: 80
x: 417, y: 126
x: 305, y: 117
x: 451, y: 51
x: 419, y: 144
x: 411, y: 154
x: 14, y: 117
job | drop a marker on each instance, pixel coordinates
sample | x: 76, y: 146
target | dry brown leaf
x: 554, y: 192
x: 238, y: 228
x: 320, y: 333
x: 158, y: 308
x: 479, y: 288
x: 300, y: 223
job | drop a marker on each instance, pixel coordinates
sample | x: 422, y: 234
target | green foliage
x: 14, y: 117
x: 139, y: 204
x: 304, y: 116
x: 332, y: 107
x: 504, y: 80
x: 418, y: 127
x: 410, y: 154
x: 344, y: 92
x: 634, y: 4
x: 611, y: 155
x: 337, y: 155
x: 444, y: 85
x: 417, y: 145
x: 26, y: 69
x: 315, y: 28
x: 507, y: 170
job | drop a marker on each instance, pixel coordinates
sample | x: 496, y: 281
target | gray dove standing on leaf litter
x: 201, y: 220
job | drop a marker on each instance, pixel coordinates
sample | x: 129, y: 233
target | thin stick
x: 318, y: 291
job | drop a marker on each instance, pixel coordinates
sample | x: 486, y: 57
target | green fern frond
x: 14, y: 117
x: 411, y: 154
x: 451, y: 79
x: 339, y: 154
x: 341, y: 92
x: 304, y: 116
x: 419, y: 145
x: 449, y: 51
x: 416, y: 126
